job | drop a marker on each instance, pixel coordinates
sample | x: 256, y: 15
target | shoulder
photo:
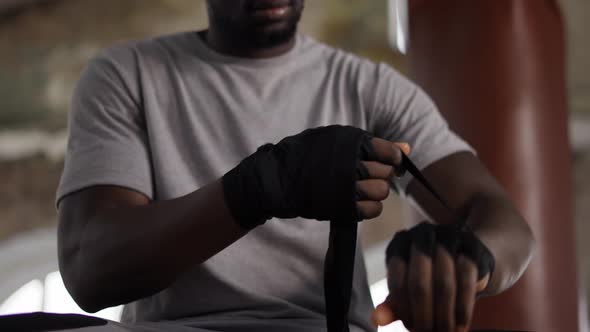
x: 368, y: 72
x: 125, y: 63
x: 334, y: 56
x: 134, y: 54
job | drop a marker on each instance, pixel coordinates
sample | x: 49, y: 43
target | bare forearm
x: 469, y: 187
x: 128, y: 253
x: 502, y: 229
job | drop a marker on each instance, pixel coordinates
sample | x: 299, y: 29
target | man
x: 154, y: 211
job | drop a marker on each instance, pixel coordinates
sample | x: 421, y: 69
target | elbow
x: 80, y: 282
x: 88, y: 303
x: 83, y: 291
x: 81, y: 272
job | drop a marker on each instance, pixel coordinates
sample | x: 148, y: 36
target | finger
x: 420, y: 289
x: 397, y: 282
x: 383, y: 315
x: 372, y: 190
x: 369, y: 209
x: 389, y: 153
x: 377, y: 170
x: 466, y: 273
x: 444, y: 291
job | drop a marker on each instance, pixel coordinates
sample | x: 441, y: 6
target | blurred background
x: 44, y: 46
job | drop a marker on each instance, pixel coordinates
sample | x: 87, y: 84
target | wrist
x: 242, y: 191
x: 500, y: 227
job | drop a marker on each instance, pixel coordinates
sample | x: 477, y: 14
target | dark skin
x: 236, y: 28
x: 439, y: 293
x: 117, y: 246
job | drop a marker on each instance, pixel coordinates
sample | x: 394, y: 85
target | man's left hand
x: 430, y: 288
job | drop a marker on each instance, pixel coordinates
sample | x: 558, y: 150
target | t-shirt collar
x: 208, y: 53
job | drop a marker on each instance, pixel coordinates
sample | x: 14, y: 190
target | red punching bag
x: 496, y: 70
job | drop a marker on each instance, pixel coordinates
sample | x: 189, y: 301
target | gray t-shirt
x: 166, y: 116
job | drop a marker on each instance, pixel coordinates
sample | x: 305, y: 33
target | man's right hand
x: 335, y: 173
x: 375, y: 188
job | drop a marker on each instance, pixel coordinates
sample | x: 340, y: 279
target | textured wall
x: 44, y: 48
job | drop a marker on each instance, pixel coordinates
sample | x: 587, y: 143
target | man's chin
x: 274, y: 34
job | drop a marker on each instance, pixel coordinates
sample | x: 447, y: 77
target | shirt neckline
x: 210, y: 54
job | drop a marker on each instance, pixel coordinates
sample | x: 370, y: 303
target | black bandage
x: 425, y: 237
x: 311, y: 175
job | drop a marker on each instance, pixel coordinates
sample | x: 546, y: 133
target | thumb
x: 405, y: 147
x: 382, y: 315
x: 482, y: 284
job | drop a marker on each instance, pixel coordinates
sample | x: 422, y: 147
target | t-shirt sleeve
x: 404, y: 113
x: 107, y: 140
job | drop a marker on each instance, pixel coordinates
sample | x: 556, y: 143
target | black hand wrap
x: 311, y: 175
x: 457, y: 241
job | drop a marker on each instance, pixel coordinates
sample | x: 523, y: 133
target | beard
x: 245, y: 29
x: 263, y: 38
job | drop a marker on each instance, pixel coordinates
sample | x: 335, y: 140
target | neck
x: 238, y: 48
